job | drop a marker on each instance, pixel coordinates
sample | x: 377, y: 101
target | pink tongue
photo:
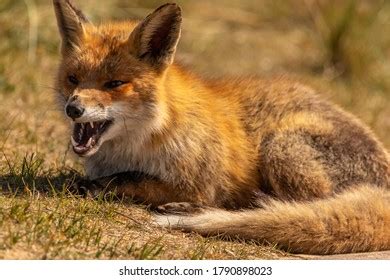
x: 81, y: 149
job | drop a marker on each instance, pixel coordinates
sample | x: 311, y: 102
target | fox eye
x: 73, y: 80
x: 113, y: 84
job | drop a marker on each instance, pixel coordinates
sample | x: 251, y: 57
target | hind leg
x: 292, y: 169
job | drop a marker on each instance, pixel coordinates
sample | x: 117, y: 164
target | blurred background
x: 342, y: 48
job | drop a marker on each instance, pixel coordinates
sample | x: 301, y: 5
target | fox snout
x: 74, y: 109
x: 85, y: 107
x: 90, y: 123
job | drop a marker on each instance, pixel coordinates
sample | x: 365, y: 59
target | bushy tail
x: 354, y: 221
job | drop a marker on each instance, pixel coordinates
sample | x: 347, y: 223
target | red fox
x: 263, y: 160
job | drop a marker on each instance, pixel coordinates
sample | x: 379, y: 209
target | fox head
x: 109, y: 75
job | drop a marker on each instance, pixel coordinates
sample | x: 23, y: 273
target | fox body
x: 303, y: 173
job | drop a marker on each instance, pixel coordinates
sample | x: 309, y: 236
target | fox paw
x: 86, y: 188
x: 179, y: 208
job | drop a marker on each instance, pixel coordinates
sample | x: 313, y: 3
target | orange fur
x: 319, y: 176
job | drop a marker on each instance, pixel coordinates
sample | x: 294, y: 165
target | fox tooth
x: 91, y: 123
x: 89, y: 142
x: 74, y: 143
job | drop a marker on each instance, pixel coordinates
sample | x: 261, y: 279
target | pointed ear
x: 70, y: 22
x: 155, y: 38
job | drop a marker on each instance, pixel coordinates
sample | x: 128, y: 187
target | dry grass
x: 340, y: 47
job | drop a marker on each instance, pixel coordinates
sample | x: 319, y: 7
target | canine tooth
x: 74, y: 143
x: 91, y: 123
x: 89, y: 143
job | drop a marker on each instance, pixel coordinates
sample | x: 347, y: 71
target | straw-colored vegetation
x: 342, y: 48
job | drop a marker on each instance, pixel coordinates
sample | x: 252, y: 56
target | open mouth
x: 86, y: 135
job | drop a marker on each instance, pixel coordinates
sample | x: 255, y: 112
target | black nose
x: 74, y: 111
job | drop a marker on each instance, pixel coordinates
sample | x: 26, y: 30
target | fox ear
x: 70, y: 22
x: 156, y: 37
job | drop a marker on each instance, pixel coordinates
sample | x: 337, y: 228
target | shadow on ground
x: 49, y: 185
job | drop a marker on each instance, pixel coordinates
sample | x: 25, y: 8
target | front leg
x: 146, y: 189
